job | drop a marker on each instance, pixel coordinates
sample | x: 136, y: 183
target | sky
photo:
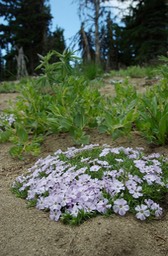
x: 65, y: 16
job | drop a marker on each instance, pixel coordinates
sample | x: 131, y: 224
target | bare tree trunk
x: 97, y: 40
x: 91, y: 10
x: 21, y: 64
x: 88, y: 55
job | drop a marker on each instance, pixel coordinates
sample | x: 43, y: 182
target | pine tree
x: 27, y: 24
x: 55, y: 41
x: 146, y: 30
x: 32, y: 24
x: 111, y: 44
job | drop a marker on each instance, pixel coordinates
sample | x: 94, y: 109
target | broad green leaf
x: 22, y: 133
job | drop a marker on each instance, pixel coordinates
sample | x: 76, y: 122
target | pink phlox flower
x: 119, y: 160
x: 90, y: 146
x: 73, y: 194
x: 142, y: 211
x: 55, y: 215
x: 103, y: 205
x: 84, y: 179
x: 117, y: 186
x: 116, y: 150
x: 41, y: 204
x: 119, y: 172
x: 68, y: 178
x: 158, y: 210
x: 140, y: 164
x: 135, y: 178
x: 154, y: 206
x: 102, y: 163
x: 131, y: 184
x: 95, y: 168
x: 81, y: 170
x: 85, y: 159
x: 74, y: 210
x: 153, y: 155
x: 70, y: 153
x: 151, y: 178
x: 71, y: 168
x: 136, y: 193
x: 120, y: 206
x: 90, y: 206
x: 156, y: 162
x: 105, y: 151
x: 132, y: 154
x: 31, y: 194
x: 157, y: 169
x: 60, y: 168
x: 112, y: 174
x: 30, y: 183
x: 149, y: 202
x: 49, y: 170
x: 20, y: 179
x: 58, y: 152
x: 35, y: 173
x: 112, y: 186
x: 55, y: 202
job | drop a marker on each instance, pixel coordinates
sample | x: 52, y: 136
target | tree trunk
x: 97, y: 41
x: 88, y: 55
x: 21, y: 64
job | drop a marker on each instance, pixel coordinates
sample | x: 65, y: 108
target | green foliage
x: 23, y: 145
x: 5, y: 135
x: 16, y: 190
x: 75, y: 108
x: 74, y: 105
x: 120, y: 112
x: 153, y: 114
x: 89, y: 70
x: 67, y: 218
x: 30, y: 121
x: 135, y: 72
x: 163, y: 69
x: 6, y: 87
x: 57, y: 72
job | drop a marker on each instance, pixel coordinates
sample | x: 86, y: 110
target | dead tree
x: 21, y: 64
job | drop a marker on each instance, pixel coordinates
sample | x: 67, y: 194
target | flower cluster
x: 6, y: 120
x: 96, y: 179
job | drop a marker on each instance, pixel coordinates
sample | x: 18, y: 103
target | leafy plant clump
x: 135, y: 72
x: 61, y: 100
x: 79, y: 183
x: 152, y: 120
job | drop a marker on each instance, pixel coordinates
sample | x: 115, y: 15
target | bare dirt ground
x: 29, y: 232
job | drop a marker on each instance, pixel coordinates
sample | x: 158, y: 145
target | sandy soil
x: 29, y: 232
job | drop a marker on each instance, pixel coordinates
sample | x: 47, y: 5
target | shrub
x: 82, y: 182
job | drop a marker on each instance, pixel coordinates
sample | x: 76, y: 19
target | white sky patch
x: 123, y: 5
x: 120, y: 8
